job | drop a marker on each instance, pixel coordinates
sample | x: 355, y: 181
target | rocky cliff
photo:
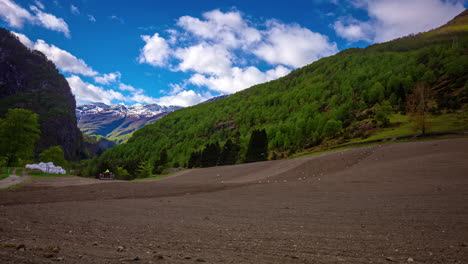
x: 29, y: 80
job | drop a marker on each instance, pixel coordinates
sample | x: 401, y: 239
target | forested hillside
x: 333, y: 98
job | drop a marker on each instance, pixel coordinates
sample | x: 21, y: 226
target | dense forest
x: 325, y: 100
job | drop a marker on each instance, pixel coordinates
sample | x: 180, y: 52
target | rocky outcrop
x: 29, y: 80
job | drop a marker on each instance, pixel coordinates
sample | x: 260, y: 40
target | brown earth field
x: 393, y: 203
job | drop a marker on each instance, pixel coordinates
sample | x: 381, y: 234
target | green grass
x: 400, y: 126
x: 36, y: 174
x: 307, y: 154
x: 19, y: 172
x: 155, y: 177
x: 5, y: 172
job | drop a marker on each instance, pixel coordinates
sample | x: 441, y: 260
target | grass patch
x: 5, y: 172
x: 400, y: 126
x: 156, y: 177
x: 37, y: 174
x: 8, y: 245
x: 19, y: 172
x: 307, y: 154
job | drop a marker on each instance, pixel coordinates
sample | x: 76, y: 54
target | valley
x: 397, y: 203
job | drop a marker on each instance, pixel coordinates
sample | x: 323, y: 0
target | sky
x: 185, y: 52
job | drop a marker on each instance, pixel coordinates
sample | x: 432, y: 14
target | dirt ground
x: 396, y: 203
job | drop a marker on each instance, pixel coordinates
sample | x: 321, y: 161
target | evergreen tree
x: 258, y: 146
x: 229, y: 153
x: 210, y: 155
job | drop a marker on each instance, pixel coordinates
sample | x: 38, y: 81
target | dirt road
x: 13, y: 179
x: 396, y: 203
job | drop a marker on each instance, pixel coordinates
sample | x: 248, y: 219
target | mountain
x: 29, y: 80
x: 335, y: 99
x: 216, y: 98
x: 118, y: 122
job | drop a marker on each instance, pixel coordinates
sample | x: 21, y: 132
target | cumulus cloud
x: 64, y: 60
x: 125, y: 87
x: 184, y: 99
x: 204, y: 58
x: 354, y: 31
x: 227, y: 28
x: 84, y: 91
x: 393, y: 19
x: 238, y: 79
x: 156, y: 50
x: 108, y: 78
x: 221, y: 50
x: 293, y: 45
x: 87, y: 92
x: 74, y: 10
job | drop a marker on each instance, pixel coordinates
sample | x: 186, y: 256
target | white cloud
x: 108, y: 78
x: 354, y: 30
x: 156, y: 50
x: 220, y: 50
x: 184, y: 98
x: 125, y: 87
x: 238, y: 79
x: 397, y: 18
x: 91, y: 18
x: 228, y: 28
x: 86, y: 92
x: 14, y: 14
x: 176, y: 88
x: 64, y: 60
x: 50, y: 21
x: 39, y: 4
x: 74, y: 10
x: 293, y: 45
x: 25, y: 40
x: 204, y: 58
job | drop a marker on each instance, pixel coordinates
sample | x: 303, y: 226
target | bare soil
x: 395, y: 203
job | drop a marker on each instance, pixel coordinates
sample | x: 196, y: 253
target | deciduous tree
x: 19, y: 131
x: 419, y: 103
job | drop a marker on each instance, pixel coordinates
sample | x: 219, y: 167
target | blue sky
x: 184, y: 52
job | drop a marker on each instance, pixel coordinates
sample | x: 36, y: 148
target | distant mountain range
x: 117, y: 122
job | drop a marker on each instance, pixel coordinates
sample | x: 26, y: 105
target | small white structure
x: 46, y: 168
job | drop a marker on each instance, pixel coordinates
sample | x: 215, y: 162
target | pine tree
x: 258, y: 146
x: 229, y: 153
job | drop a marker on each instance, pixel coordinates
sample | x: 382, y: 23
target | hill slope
x: 330, y: 99
x: 29, y: 80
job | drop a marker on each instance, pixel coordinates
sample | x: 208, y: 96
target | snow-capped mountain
x: 117, y: 122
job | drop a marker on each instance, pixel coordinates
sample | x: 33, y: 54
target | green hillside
x: 331, y: 101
